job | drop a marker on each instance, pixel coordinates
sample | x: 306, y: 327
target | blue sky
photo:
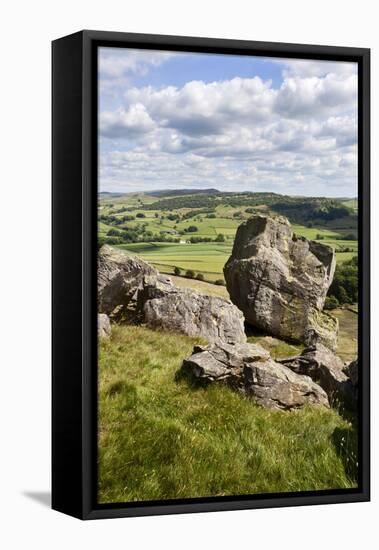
x: 171, y: 119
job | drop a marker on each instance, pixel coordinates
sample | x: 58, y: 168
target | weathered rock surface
x: 326, y: 369
x: 280, y: 281
x: 248, y: 369
x: 119, y: 277
x: 184, y: 310
x: 127, y: 283
x: 104, y: 329
x: 351, y: 370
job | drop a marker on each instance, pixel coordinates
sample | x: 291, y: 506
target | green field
x: 221, y: 218
x: 160, y: 437
x: 206, y: 258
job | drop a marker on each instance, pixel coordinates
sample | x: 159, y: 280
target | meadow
x: 207, y: 258
x: 161, y: 437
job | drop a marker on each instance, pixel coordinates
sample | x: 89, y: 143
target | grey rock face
x: 127, y: 282
x: 248, y: 369
x: 119, y: 277
x: 326, y: 369
x: 104, y: 329
x: 351, y: 370
x: 280, y: 281
x: 188, y: 312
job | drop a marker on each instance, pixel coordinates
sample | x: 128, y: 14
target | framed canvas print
x: 210, y: 274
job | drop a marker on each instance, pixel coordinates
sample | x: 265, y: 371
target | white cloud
x: 202, y: 109
x: 115, y: 63
x: 131, y: 122
x: 244, y: 133
x: 313, y: 96
x: 307, y: 68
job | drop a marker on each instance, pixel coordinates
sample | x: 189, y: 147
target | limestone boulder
x: 186, y: 311
x: 104, y: 329
x: 249, y: 369
x: 119, y: 277
x: 327, y: 370
x: 280, y: 281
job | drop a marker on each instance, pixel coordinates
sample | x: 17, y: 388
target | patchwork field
x: 135, y: 219
x: 206, y: 258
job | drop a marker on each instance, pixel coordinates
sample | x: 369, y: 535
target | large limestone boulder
x: 280, y: 281
x: 248, y: 369
x: 327, y: 370
x: 183, y: 310
x: 119, y: 277
x: 129, y: 287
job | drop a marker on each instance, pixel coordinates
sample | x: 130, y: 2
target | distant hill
x: 179, y: 192
x: 110, y: 194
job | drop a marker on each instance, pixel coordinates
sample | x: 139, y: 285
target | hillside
x: 187, y: 441
x: 204, y: 219
x: 221, y: 434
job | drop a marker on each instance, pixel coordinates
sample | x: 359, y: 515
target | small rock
x: 326, y: 369
x: 104, y: 328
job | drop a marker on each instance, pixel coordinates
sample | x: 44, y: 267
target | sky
x: 171, y: 120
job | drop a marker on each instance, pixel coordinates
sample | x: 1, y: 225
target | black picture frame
x: 74, y: 332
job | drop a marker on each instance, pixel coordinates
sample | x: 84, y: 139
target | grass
x: 206, y: 258
x: 348, y: 333
x: 279, y: 349
x: 162, y: 438
x: 201, y: 286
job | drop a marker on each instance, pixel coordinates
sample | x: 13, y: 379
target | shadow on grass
x: 346, y: 444
x: 195, y: 384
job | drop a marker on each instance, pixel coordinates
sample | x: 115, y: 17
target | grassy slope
x: 201, y: 286
x: 183, y: 441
